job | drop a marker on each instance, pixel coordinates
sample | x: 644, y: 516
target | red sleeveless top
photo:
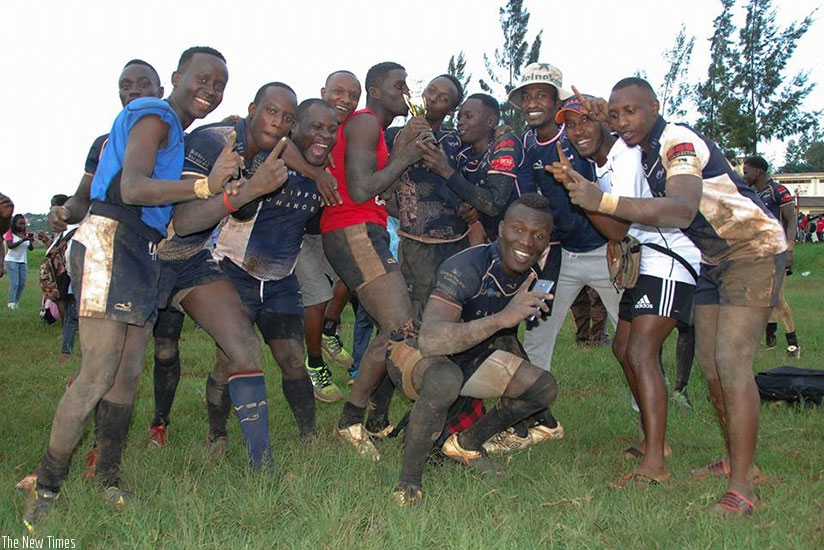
x: 350, y: 212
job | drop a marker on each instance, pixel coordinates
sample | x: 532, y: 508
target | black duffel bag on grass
x: 791, y: 384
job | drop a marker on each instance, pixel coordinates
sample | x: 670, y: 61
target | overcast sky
x: 62, y: 59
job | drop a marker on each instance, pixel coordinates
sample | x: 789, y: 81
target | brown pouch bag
x: 624, y: 262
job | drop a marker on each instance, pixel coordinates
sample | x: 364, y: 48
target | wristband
x: 201, y: 188
x: 228, y: 204
x: 608, y: 204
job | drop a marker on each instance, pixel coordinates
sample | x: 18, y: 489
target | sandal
x: 635, y: 478
x: 715, y: 470
x: 732, y: 504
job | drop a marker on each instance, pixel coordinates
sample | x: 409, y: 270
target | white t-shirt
x: 17, y: 254
x: 623, y: 175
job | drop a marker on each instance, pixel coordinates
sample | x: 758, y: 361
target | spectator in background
x: 819, y: 228
x: 590, y: 317
x: 18, y: 239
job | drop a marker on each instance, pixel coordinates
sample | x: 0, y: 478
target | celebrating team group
x: 275, y: 218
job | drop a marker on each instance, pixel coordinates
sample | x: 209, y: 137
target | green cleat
x: 335, y: 352
x: 325, y: 390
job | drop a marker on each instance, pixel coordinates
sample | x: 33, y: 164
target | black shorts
x: 742, y: 282
x: 359, y: 254
x: 275, y: 307
x: 656, y: 296
x: 179, y: 276
x: 114, y: 272
x: 420, y: 261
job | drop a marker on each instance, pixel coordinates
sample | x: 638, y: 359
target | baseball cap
x: 540, y: 73
x: 574, y: 105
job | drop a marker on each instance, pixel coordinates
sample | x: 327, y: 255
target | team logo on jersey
x: 505, y: 162
x: 681, y: 150
x: 505, y: 143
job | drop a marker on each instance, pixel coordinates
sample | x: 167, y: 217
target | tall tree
x: 747, y: 97
x: 714, y: 95
x: 457, y: 68
x: 770, y: 101
x: 676, y: 89
x: 807, y: 153
x: 504, y: 69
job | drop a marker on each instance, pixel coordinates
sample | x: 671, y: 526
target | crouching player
x: 468, y: 345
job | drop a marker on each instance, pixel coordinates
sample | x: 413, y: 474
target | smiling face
x: 271, y: 118
x: 633, y: 112
x: 316, y: 132
x: 199, y: 87
x: 539, y: 102
x: 343, y: 92
x: 585, y: 134
x: 136, y: 81
x: 524, y: 235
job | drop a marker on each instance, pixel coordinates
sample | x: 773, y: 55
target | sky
x: 62, y: 59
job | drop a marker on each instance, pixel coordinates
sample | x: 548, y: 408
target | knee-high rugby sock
x: 301, y: 399
x: 218, y: 406
x: 166, y: 378
x: 248, y: 393
x: 112, y: 428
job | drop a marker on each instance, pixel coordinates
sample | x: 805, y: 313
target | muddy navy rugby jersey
x: 427, y: 207
x: 473, y: 280
x: 203, y: 146
x: 731, y: 222
x: 267, y: 245
x: 572, y: 227
x: 774, y: 196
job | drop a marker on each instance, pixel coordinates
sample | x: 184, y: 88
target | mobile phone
x: 543, y: 286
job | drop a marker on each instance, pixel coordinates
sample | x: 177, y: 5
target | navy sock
x: 248, y: 393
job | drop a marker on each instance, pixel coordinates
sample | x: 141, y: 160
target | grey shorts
x: 314, y: 272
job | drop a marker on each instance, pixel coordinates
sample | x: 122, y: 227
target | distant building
x: 808, y: 189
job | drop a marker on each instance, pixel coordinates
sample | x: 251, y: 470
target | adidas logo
x: 643, y: 303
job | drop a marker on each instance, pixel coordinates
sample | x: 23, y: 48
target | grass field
x: 555, y: 496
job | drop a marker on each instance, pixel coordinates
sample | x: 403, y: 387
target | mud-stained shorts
x: 752, y: 282
x: 274, y: 306
x: 656, y: 296
x: 420, y: 261
x: 179, y: 277
x: 359, y: 254
x: 115, y: 272
x: 314, y: 272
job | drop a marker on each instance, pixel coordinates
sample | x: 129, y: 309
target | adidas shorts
x: 656, y: 296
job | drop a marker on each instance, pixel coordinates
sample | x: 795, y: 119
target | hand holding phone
x: 543, y: 286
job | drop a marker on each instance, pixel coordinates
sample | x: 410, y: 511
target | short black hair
x: 488, y: 101
x: 341, y: 71
x: 458, y: 87
x: 535, y: 202
x: 145, y: 64
x: 262, y: 90
x: 634, y: 81
x: 757, y: 161
x: 186, y: 56
x: 59, y: 199
x: 306, y: 104
x: 15, y: 218
x: 377, y: 73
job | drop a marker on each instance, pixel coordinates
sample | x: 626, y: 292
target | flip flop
x: 715, y: 470
x: 635, y: 478
x: 733, y: 504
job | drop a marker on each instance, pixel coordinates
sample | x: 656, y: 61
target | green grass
x: 554, y: 497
